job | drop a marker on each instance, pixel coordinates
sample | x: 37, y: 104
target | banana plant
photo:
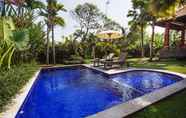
x: 19, y: 41
x: 11, y: 40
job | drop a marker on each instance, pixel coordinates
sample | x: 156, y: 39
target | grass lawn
x: 11, y: 81
x: 171, y: 107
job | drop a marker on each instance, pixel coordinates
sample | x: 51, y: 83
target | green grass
x: 11, y: 81
x: 171, y: 107
x: 172, y: 65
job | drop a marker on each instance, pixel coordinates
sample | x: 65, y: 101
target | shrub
x: 12, y: 80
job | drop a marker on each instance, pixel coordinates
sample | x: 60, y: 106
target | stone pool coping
x: 134, y: 105
x: 13, y: 107
x: 118, y: 111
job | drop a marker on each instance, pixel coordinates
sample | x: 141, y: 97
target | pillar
x: 182, y: 42
x: 166, y: 36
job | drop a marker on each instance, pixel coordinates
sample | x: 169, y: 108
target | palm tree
x: 142, y: 22
x: 147, y: 15
x: 140, y: 17
x: 52, y: 19
x: 152, y: 38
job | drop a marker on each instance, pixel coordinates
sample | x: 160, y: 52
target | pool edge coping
x: 118, y: 111
x: 12, y: 109
x: 125, y: 109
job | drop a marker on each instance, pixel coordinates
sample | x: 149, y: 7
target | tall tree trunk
x: 53, y: 46
x: 85, y: 36
x: 93, y: 51
x: 142, y: 41
x: 152, y: 41
x: 48, y: 45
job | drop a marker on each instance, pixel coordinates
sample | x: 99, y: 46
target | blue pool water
x: 145, y: 81
x: 78, y: 92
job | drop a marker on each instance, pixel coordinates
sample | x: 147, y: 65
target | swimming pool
x: 77, y: 92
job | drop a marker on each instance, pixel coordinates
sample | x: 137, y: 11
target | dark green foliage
x: 35, y: 46
x: 37, y: 41
x: 164, y: 8
x: 20, y: 40
x: 104, y: 48
x: 12, y: 80
x: 74, y: 59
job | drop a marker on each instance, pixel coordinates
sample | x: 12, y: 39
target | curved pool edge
x: 139, y: 103
x: 134, y: 105
x: 118, y: 111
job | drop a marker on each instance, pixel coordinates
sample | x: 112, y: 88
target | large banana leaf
x: 11, y: 40
x: 6, y: 28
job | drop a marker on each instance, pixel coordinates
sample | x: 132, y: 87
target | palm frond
x: 58, y: 21
x: 20, y: 38
x: 37, y: 5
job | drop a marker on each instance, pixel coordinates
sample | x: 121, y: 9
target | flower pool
x: 77, y: 92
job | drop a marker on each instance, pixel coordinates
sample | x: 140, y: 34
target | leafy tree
x: 143, y: 12
x: 88, y: 17
x: 36, y: 40
x: 109, y: 23
x: 140, y: 17
x: 158, y: 41
x: 78, y: 34
x: 68, y: 48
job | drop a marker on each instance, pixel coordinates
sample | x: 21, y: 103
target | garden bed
x: 11, y: 81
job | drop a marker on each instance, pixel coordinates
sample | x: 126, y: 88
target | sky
x: 116, y: 10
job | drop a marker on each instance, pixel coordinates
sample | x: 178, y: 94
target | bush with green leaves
x: 104, y: 48
x: 12, y: 80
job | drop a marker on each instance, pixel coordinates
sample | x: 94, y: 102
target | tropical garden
x: 27, y: 41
